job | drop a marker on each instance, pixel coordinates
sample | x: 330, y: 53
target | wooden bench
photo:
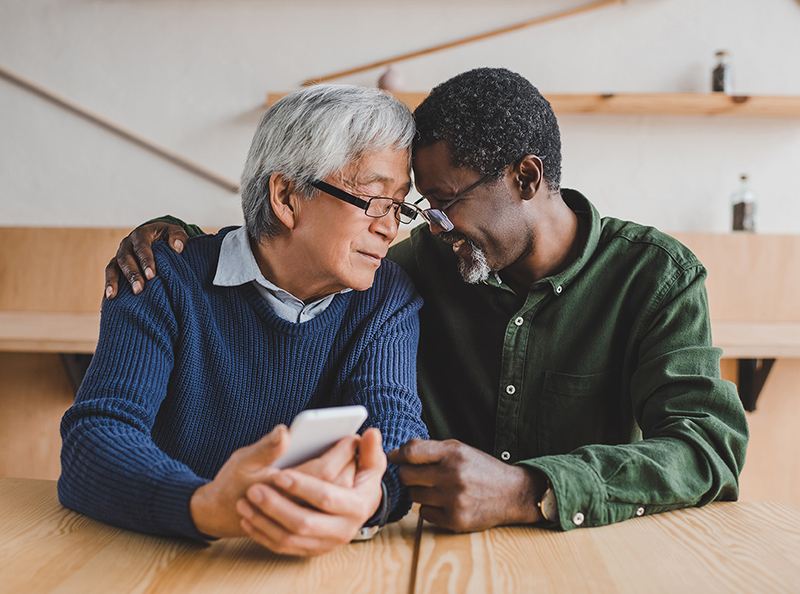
x: 52, y: 287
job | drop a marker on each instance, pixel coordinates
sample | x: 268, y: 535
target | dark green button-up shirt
x: 602, y: 376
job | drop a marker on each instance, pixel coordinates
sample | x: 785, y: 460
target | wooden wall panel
x: 34, y: 394
x: 55, y: 269
x: 751, y: 277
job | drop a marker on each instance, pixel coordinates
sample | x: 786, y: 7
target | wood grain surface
x: 46, y: 548
x: 751, y: 277
x: 723, y: 547
x: 55, y: 269
x: 49, y: 332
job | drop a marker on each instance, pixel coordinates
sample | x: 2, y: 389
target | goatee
x: 475, y: 270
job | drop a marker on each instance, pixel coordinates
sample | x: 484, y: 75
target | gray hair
x: 313, y: 133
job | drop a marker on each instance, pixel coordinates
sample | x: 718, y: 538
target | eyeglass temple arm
x: 340, y: 194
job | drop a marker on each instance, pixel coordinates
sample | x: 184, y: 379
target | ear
x: 528, y: 176
x: 281, y: 199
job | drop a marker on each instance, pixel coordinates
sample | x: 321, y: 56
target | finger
x: 328, y: 497
x: 420, y: 451
x: 275, y: 538
x: 297, y: 519
x: 177, y: 238
x: 437, y: 516
x: 425, y: 475
x: 142, y: 239
x: 332, y: 463
x: 436, y: 497
x: 129, y: 265
x: 371, y: 458
x: 112, y: 279
x: 267, y: 449
x: 347, y: 477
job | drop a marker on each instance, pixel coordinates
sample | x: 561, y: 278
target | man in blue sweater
x: 186, y: 402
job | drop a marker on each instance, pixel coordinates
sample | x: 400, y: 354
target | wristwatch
x: 547, y: 504
x: 378, y: 520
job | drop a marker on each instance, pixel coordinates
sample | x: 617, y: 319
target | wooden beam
x: 464, y: 41
x: 128, y: 135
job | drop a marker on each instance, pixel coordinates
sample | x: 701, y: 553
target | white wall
x: 192, y: 75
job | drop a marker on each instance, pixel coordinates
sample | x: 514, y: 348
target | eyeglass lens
x: 379, y: 207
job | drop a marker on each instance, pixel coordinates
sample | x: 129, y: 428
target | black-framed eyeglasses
x: 375, y: 207
x: 437, y: 216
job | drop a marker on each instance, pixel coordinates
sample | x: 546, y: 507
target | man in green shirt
x: 565, y: 359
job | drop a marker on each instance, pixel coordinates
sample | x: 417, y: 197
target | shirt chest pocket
x: 577, y: 410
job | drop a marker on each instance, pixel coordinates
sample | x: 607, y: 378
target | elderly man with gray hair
x: 183, y: 409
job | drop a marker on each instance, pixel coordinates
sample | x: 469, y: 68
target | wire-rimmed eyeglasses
x: 379, y: 206
x: 375, y: 207
x: 437, y: 216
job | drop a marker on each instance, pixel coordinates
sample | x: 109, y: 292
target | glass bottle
x: 721, y: 76
x: 744, y: 207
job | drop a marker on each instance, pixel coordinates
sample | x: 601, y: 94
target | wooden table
x: 46, y: 548
x: 724, y: 547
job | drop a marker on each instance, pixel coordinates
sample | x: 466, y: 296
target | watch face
x: 549, y: 506
x: 366, y: 533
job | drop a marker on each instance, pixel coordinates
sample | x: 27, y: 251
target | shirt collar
x: 586, y: 211
x: 581, y: 206
x: 237, y: 266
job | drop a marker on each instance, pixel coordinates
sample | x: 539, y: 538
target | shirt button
x: 510, y: 389
x: 559, y: 288
x: 640, y: 511
x: 505, y: 456
x: 578, y: 519
x: 519, y: 321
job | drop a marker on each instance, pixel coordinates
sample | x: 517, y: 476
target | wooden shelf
x: 707, y: 104
x: 48, y: 332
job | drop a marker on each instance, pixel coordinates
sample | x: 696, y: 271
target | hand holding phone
x: 314, y: 431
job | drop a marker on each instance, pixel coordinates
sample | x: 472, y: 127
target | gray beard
x: 476, y: 270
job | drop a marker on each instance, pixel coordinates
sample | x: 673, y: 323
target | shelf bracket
x: 752, y: 376
x: 75, y: 364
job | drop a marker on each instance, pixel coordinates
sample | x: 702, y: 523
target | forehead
x: 385, y: 167
x: 434, y: 169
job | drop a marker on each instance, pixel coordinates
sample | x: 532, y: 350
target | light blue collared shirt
x: 237, y: 265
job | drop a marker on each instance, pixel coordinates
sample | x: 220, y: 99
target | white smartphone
x: 315, y: 431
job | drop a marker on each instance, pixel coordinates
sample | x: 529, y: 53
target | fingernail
x: 109, y: 292
x: 137, y: 287
x: 179, y: 245
x: 148, y: 272
x: 277, y: 433
x: 255, y: 495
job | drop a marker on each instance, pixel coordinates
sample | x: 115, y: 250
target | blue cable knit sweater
x: 188, y: 372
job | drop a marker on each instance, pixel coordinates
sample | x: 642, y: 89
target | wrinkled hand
x: 464, y: 489
x: 295, y: 513
x: 214, y: 505
x: 134, y: 260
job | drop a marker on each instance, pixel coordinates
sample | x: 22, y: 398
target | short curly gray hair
x: 313, y: 133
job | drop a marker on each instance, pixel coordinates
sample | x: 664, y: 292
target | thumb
x: 269, y: 448
x: 371, y: 459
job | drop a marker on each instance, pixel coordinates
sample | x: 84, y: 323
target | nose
x: 386, y: 226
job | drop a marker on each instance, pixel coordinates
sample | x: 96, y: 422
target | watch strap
x: 378, y: 520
